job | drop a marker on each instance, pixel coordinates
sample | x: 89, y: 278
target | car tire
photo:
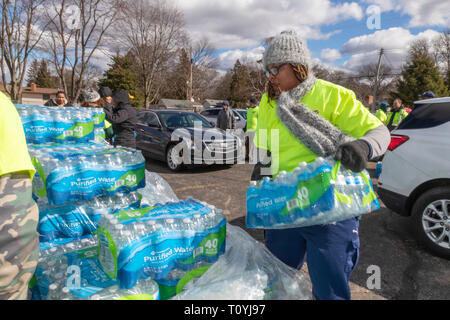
x: 430, y: 214
x: 171, y: 162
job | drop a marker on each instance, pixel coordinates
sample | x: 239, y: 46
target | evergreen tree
x: 178, y: 79
x: 121, y: 75
x: 240, y: 85
x: 44, y: 77
x: 32, y: 72
x: 40, y: 75
x: 420, y: 74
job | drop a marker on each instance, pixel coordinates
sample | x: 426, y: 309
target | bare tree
x: 257, y: 78
x: 367, y: 73
x: 153, y: 32
x: 77, y: 29
x: 441, y: 46
x: 203, y: 65
x: 19, y: 35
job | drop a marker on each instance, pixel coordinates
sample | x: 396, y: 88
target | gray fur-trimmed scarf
x: 314, y: 131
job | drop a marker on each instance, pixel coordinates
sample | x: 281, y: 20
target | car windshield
x: 243, y: 113
x: 182, y: 120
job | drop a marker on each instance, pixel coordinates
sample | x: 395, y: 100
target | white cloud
x: 228, y: 58
x: 422, y: 12
x: 396, y: 41
x: 239, y: 24
x: 330, y: 55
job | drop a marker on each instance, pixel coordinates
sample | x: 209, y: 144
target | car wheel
x: 173, y: 161
x: 431, y: 219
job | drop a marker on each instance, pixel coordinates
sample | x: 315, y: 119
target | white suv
x: 415, y: 174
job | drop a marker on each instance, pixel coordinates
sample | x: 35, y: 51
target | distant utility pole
x: 191, y: 61
x: 377, y: 78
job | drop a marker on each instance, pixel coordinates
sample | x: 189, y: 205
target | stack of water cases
x: 171, y: 243
x: 91, y: 213
x: 319, y: 192
x: 61, y: 124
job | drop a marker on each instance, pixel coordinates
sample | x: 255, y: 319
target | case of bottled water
x: 155, y: 241
x: 319, y: 192
x: 78, y: 219
x: 78, y: 275
x: 85, y: 171
x: 59, y: 124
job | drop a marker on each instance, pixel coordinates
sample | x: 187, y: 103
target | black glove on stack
x: 353, y: 155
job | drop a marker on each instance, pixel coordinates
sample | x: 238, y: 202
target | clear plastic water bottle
x: 53, y: 291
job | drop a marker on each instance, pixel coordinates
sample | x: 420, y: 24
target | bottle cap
x: 53, y: 286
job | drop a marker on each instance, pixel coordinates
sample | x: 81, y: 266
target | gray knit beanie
x: 287, y: 47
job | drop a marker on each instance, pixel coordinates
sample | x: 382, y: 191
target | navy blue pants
x: 332, y: 252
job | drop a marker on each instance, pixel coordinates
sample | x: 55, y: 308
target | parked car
x: 243, y: 113
x: 415, y: 173
x: 171, y: 136
x: 211, y: 115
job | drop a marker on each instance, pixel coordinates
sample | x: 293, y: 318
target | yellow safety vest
x: 381, y: 115
x: 336, y: 104
x: 399, y: 116
x: 252, y: 118
x: 14, y: 154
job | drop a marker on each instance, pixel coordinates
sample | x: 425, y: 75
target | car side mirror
x: 153, y: 125
x: 212, y: 123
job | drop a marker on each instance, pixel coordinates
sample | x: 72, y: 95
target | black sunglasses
x: 274, y: 70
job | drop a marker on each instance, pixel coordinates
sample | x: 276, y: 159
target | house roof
x: 37, y: 91
x: 173, y: 103
x: 212, y: 101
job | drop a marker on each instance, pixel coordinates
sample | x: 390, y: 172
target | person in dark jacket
x: 123, y: 119
x: 59, y: 101
x: 225, y: 118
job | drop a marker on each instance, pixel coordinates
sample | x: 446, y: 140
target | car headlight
x: 189, y: 143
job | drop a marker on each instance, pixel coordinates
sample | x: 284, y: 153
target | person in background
x: 225, y: 118
x: 60, y: 100
x: 427, y: 95
x: 106, y: 96
x: 19, y: 214
x: 395, y: 115
x: 90, y: 98
x: 381, y: 112
x: 252, y: 121
x: 122, y: 115
x: 312, y: 118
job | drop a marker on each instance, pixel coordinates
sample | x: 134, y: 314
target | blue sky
x: 336, y: 31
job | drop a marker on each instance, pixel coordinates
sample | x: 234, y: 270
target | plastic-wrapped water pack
x: 60, y: 124
x: 156, y: 190
x: 71, y: 172
x: 320, y: 192
x: 77, y: 219
x: 78, y: 275
x: 156, y: 241
x: 247, y: 271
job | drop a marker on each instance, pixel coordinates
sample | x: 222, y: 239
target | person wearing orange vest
x: 19, y: 242
x: 301, y: 118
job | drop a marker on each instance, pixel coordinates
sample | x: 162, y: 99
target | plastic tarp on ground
x: 247, y: 271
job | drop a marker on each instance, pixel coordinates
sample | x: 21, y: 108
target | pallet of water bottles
x: 61, y: 124
x: 68, y: 172
x: 320, y: 192
x: 149, y: 252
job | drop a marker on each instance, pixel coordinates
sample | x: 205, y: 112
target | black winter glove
x: 353, y: 155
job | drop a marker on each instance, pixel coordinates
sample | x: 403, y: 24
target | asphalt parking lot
x: 407, y: 270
